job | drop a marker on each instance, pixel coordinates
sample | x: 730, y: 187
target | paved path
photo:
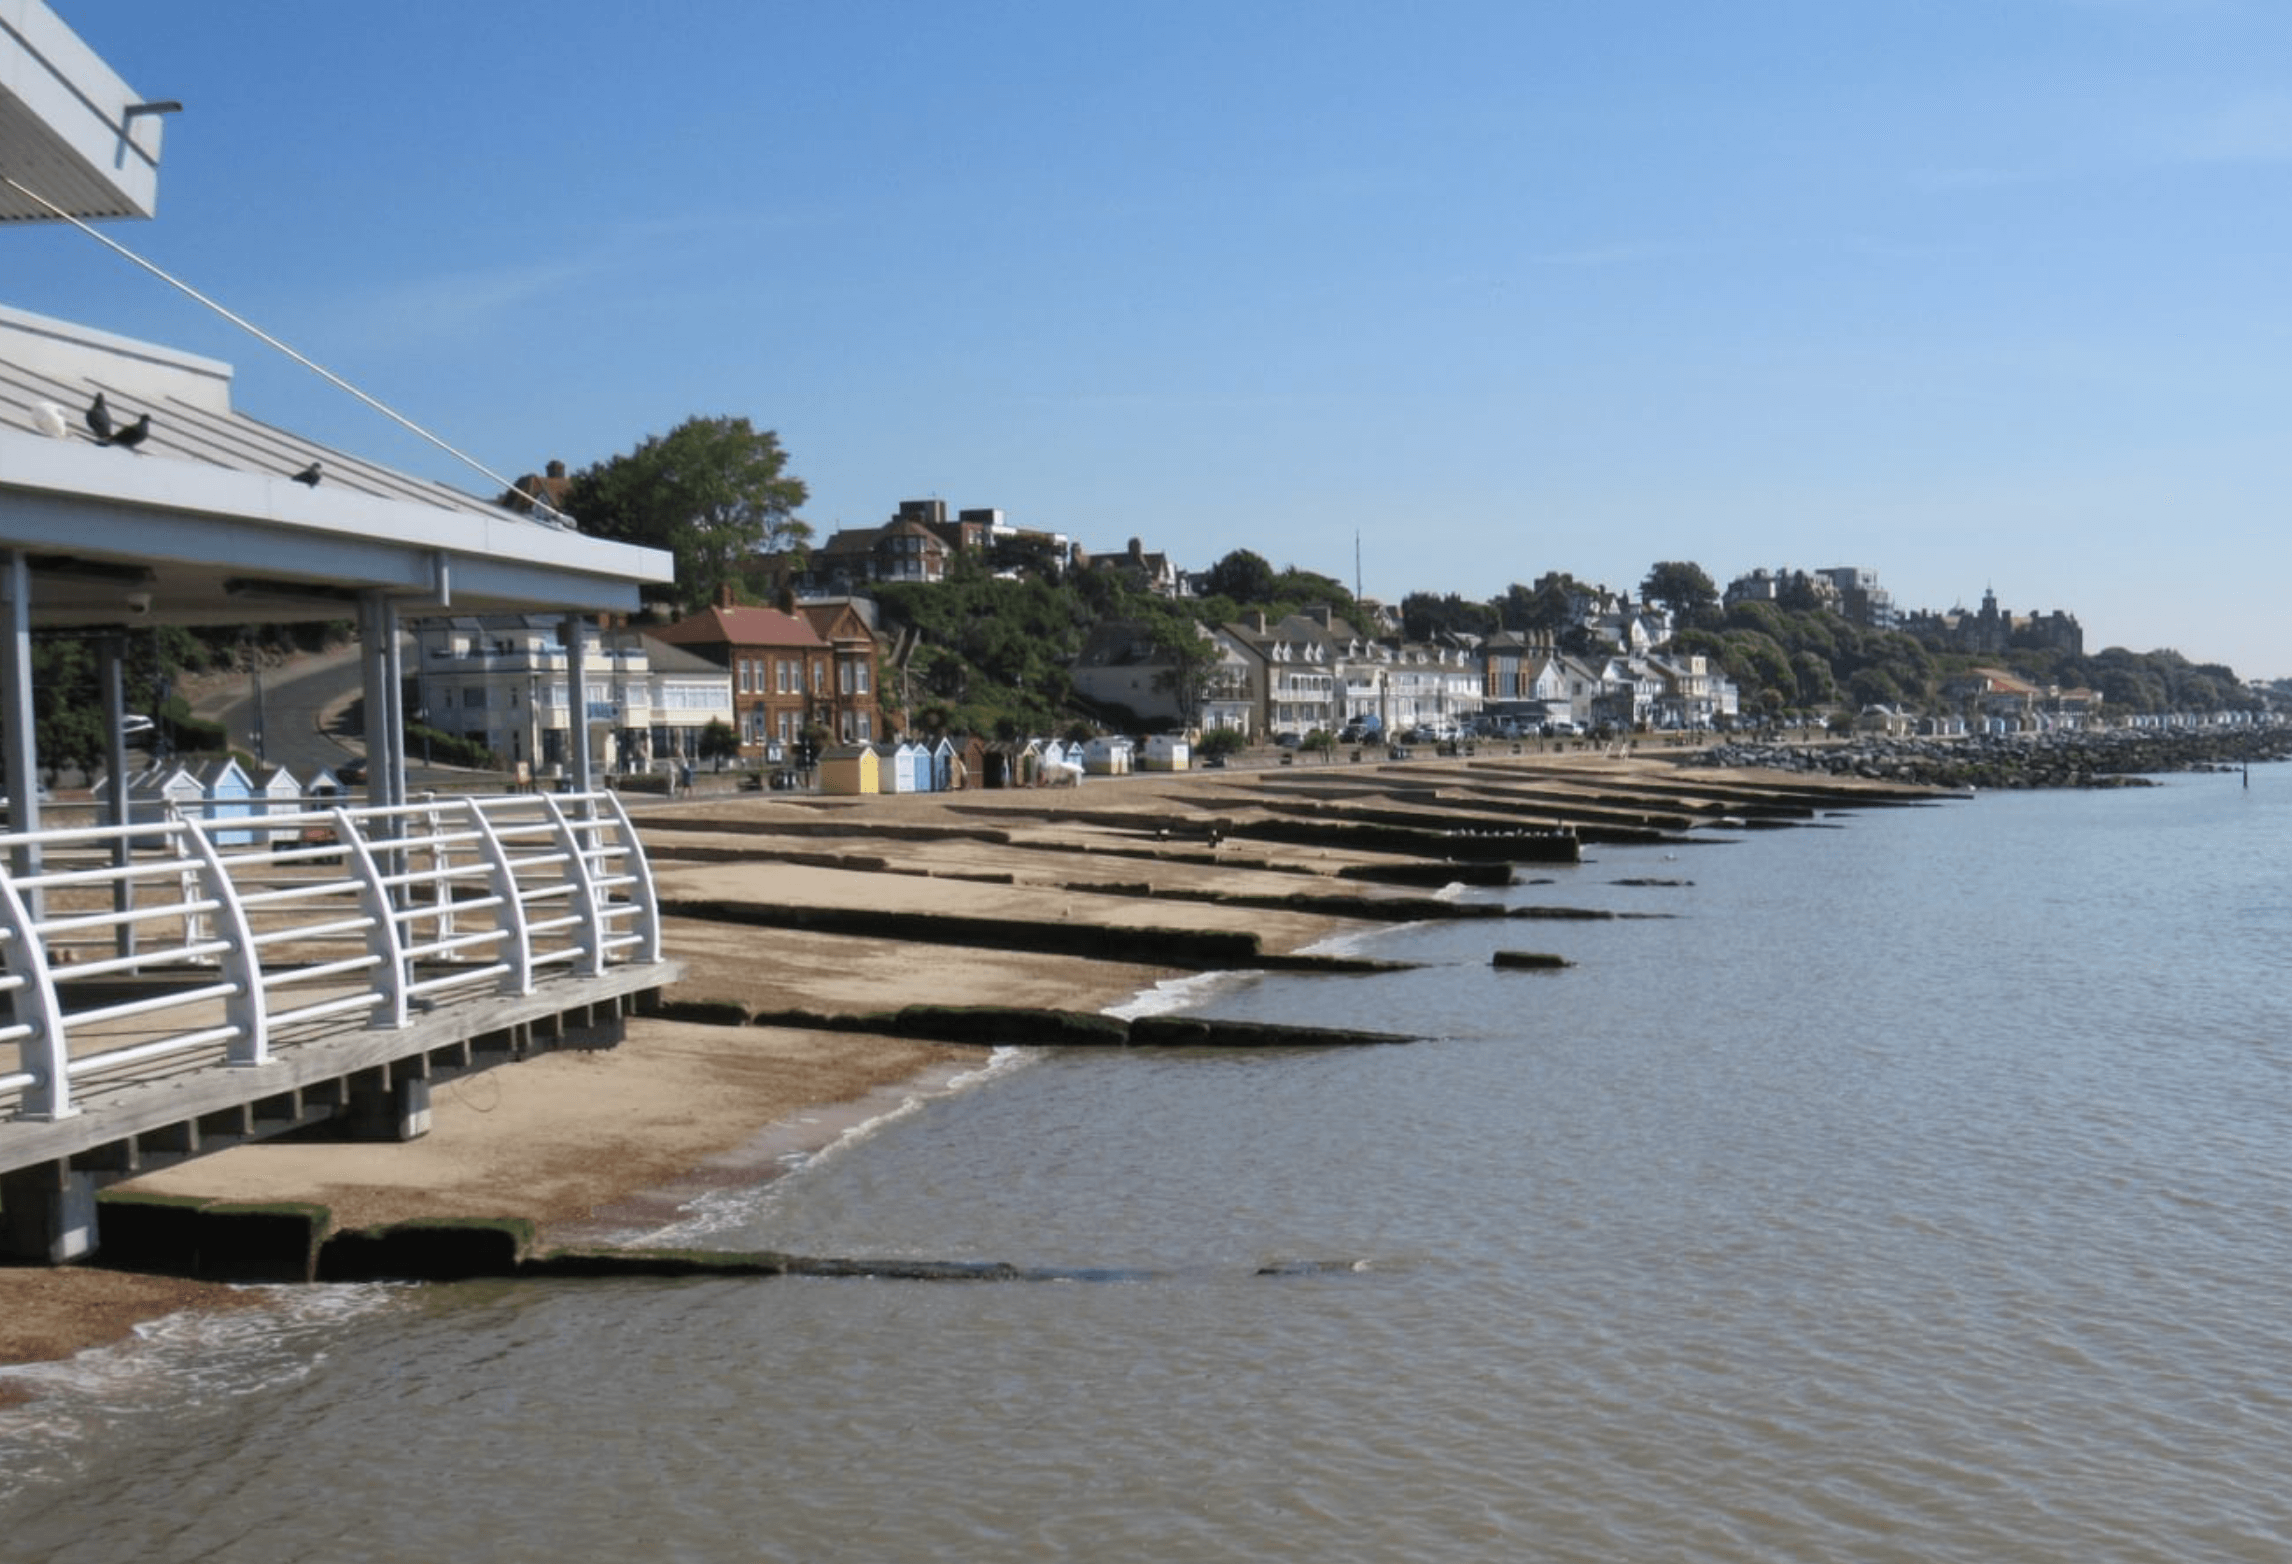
x: 310, y: 714
x: 303, y: 706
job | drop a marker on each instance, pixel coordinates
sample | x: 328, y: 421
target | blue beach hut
x: 228, y: 796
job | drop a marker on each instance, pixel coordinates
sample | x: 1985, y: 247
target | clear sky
x: 1975, y: 293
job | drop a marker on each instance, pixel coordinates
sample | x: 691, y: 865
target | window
x: 862, y: 668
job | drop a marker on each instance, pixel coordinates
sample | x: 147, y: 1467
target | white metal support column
x: 17, y: 745
x: 394, y: 714
x: 577, y: 703
x: 111, y: 657
x: 374, y: 670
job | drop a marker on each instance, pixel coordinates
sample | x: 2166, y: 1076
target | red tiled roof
x: 739, y: 627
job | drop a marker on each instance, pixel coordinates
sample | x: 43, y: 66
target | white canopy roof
x: 204, y: 523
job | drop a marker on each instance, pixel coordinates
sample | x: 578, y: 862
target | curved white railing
x: 208, y: 940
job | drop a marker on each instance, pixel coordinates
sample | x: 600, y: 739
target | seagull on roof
x: 99, y: 420
x: 308, y: 477
x: 133, y: 435
x: 49, y: 419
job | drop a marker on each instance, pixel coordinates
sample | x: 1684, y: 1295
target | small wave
x: 1173, y: 994
x: 190, y: 1359
x: 1358, y: 941
x: 821, y: 1137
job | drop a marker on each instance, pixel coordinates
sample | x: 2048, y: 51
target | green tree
x: 1513, y: 607
x: 1684, y: 588
x: 1816, y: 684
x: 1801, y: 593
x: 1874, y: 686
x: 1424, y: 616
x: 1243, y: 576
x: 714, y: 492
x: 1190, y: 657
x: 718, y: 742
x: 1220, y: 741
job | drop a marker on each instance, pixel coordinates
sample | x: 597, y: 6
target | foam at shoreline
x: 1176, y: 994
x: 195, y: 1355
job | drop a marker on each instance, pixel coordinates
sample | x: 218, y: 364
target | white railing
x: 211, y: 939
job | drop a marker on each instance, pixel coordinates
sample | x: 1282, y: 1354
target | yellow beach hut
x: 847, y: 769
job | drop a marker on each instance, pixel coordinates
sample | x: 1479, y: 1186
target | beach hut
x: 943, y: 765
x: 276, y: 792
x: 850, y: 769
x: 1060, y: 764
x: 228, y: 795
x: 970, y: 763
x: 1005, y: 764
x: 1110, y: 756
x: 323, y: 789
x: 156, y: 793
x: 906, y: 768
x: 1165, y: 752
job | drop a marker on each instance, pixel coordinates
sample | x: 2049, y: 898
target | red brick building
x: 787, y: 676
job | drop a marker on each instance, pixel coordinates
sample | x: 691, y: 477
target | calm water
x: 1918, y: 1187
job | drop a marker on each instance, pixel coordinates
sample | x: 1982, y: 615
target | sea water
x: 1915, y: 1184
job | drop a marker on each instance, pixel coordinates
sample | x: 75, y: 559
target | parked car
x: 1289, y: 740
x: 352, y: 772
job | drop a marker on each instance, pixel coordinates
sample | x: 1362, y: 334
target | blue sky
x: 1975, y: 293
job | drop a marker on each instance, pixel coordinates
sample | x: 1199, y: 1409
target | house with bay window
x: 501, y: 680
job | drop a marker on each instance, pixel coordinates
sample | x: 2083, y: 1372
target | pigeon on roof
x: 308, y: 477
x: 49, y: 419
x: 133, y: 435
x: 99, y: 420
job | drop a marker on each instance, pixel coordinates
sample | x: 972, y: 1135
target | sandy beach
x: 601, y: 1144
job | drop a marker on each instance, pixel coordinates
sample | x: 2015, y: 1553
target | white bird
x: 50, y: 420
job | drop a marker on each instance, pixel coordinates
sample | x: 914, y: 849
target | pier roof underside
x: 204, y: 521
